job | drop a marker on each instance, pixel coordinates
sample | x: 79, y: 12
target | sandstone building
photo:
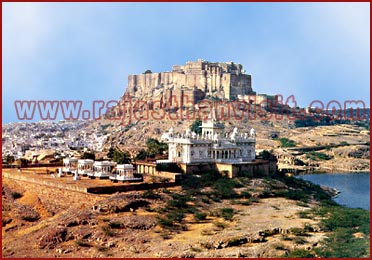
x: 196, y: 80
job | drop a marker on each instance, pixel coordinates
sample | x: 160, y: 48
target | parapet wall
x: 42, y: 181
x: 125, y: 188
x: 259, y: 168
x: 77, y: 186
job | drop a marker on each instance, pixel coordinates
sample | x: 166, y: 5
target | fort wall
x: 226, y: 80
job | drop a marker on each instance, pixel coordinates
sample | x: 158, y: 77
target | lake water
x: 354, y: 187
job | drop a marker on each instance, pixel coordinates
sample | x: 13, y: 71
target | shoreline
x: 341, y: 186
x: 325, y: 172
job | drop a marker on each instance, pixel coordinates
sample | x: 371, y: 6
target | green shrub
x: 150, y: 194
x: 279, y: 247
x: 302, y: 204
x: 298, y: 231
x: 293, y: 194
x: 101, y: 248
x: 165, y: 222
x: 199, y: 216
x: 175, y: 216
x: 253, y: 200
x: 220, y: 225
x: 184, y: 228
x: 83, y: 243
x: 115, y: 225
x: 340, y: 217
x: 342, y: 243
x: 166, y: 235
x: 107, y: 231
x: 179, y: 201
x: 242, y: 202
x: 227, y: 213
x: 190, y: 209
x: 286, y: 238
x: 308, y: 228
x: 16, y: 195
x: 343, y: 222
x: 304, y: 214
x: 315, y: 156
x: 285, y: 142
x: 299, y: 240
x: 299, y: 253
x: 245, y: 194
x: 224, y: 188
x: 205, y: 200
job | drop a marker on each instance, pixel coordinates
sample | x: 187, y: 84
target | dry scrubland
x: 207, y: 217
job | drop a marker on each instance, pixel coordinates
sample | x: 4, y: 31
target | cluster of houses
x: 230, y: 153
x: 98, y: 169
x: 23, y: 140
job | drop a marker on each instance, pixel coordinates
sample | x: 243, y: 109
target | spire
x: 212, y: 115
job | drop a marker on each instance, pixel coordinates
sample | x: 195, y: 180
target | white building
x: 101, y: 170
x: 213, y: 145
x: 69, y: 165
x: 124, y: 172
x: 85, y: 166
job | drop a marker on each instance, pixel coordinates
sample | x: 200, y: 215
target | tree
x: 265, y: 154
x: 9, y: 159
x: 155, y: 147
x: 121, y: 157
x: 88, y: 155
x: 22, y: 162
x: 196, y: 126
x: 142, y: 154
x: 118, y: 156
x: 110, y: 153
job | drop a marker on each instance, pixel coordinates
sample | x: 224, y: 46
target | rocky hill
x: 329, y: 148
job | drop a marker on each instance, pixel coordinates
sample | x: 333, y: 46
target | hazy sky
x: 85, y: 51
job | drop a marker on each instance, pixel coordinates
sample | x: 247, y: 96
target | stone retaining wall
x: 51, y: 183
x: 94, y: 189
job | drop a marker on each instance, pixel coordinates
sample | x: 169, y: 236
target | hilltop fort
x: 196, y: 79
